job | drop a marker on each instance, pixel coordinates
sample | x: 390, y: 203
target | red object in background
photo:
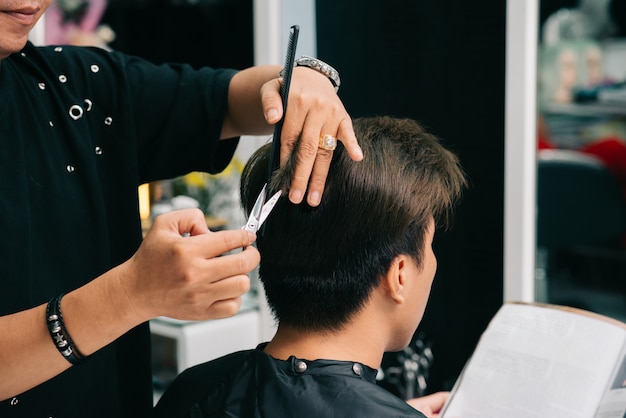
x: 544, y: 143
x: 612, y: 152
x: 543, y: 134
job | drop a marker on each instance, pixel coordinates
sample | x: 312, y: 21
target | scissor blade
x: 268, y: 206
x: 258, y: 205
x: 253, y: 223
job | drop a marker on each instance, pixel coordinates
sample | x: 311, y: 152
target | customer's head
x: 319, y: 265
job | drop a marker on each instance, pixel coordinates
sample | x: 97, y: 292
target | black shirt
x: 80, y: 129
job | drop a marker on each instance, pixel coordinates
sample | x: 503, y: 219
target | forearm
x: 95, y: 315
x: 181, y: 270
x: 245, y: 111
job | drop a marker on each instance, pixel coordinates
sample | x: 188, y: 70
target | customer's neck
x: 349, y: 344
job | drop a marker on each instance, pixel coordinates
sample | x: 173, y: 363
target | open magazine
x: 539, y: 361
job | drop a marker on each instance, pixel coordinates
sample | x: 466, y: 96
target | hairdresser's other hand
x: 181, y: 270
x: 314, y: 109
x: 430, y: 405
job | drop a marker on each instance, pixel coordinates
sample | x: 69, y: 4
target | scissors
x: 261, y: 210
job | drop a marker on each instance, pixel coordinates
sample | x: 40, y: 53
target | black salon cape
x: 80, y: 129
x: 251, y: 384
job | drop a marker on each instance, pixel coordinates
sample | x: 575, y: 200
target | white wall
x: 520, y: 150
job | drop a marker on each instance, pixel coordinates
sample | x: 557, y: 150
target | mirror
x: 581, y: 155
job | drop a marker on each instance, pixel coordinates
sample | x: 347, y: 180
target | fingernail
x: 251, y: 237
x: 359, y: 153
x: 271, y: 114
x: 295, y: 196
x: 314, y: 198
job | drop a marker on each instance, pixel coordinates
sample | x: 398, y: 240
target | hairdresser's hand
x: 430, y: 405
x: 180, y: 270
x: 314, y: 109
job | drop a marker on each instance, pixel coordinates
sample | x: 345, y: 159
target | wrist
x: 99, y: 312
x: 124, y: 288
x: 59, y: 333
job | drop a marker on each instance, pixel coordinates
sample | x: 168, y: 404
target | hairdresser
x: 80, y: 129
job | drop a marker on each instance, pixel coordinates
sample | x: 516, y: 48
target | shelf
x: 587, y: 109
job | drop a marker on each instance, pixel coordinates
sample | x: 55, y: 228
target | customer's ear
x: 395, y: 279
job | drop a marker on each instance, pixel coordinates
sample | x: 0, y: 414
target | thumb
x: 271, y: 102
x: 183, y: 221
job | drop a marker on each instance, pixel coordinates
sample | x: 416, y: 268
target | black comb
x: 274, y: 160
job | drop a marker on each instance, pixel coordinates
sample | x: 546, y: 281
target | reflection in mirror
x: 581, y: 157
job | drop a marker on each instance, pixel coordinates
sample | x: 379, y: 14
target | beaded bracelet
x: 60, y: 337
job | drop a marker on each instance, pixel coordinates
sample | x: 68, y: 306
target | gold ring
x: 328, y: 142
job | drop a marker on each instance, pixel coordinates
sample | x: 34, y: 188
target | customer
x: 80, y: 129
x: 347, y: 281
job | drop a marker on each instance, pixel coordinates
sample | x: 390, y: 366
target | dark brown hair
x: 319, y: 265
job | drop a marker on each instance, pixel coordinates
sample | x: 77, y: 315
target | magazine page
x: 537, y: 361
x: 613, y: 404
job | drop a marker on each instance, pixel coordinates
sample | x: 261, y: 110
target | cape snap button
x: 301, y: 366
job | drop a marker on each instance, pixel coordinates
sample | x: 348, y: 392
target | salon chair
x: 581, y: 217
